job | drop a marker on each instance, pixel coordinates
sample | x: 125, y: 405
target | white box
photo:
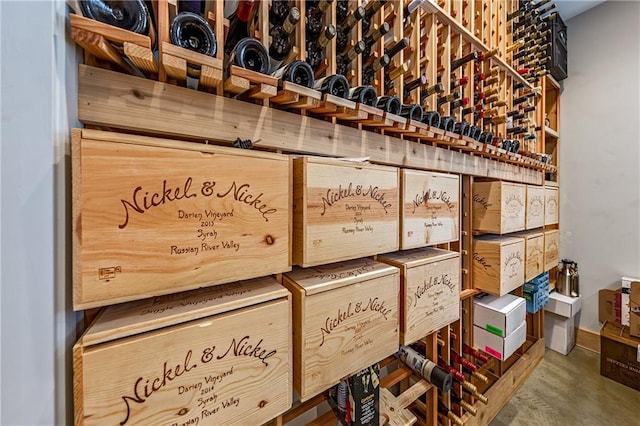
x: 499, y: 315
x: 501, y: 348
x: 559, y: 332
x: 624, y: 300
x: 562, y: 305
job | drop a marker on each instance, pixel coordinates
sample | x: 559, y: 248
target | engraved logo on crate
x: 323, y: 274
x: 536, y: 205
x: 108, y: 273
x: 512, y: 264
x: 351, y: 190
x: 552, y: 247
x: 143, y: 200
x: 432, y: 195
x: 482, y: 201
x: 514, y: 205
x: 203, y: 389
x: 552, y: 204
x: 482, y: 261
x: 354, y: 308
x: 442, y: 280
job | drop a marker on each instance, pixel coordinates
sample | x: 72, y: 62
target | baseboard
x: 588, y: 339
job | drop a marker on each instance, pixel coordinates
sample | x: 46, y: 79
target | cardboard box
x: 429, y: 290
x: 343, y: 210
x: 498, y: 263
x: 500, y: 347
x: 534, y: 213
x: 364, y: 397
x: 634, y: 309
x: 619, y: 355
x: 154, y: 216
x: 559, y: 332
x: 551, y: 204
x: 219, y: 355
x: 562, y: 305
x: 499, y: 315
x: 625, y: 299
x: 430, y: 208
x: 499, y: 207
x: 609, y: 305
x: 346, y: 317
x: 534, y: 253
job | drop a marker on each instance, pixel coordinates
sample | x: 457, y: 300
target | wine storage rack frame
x: 291, y: 119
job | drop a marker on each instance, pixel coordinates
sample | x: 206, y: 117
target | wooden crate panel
x: 534, y: 254
x: 551, y: 202
x: 343, y: 210
x: 498, y: 264
x: 498, y: 207
x: 198, y: 365
x: 551, y: 249
x: 154, y: 216
x: 430, y: 208
x: 535, y: 207
x: 429, y: 290
x: 346, y: 317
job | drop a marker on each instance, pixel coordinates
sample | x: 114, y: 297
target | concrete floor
x: 569, y: 390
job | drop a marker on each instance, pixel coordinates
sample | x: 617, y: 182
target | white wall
x: 37, y: 326
x: 600, y: 150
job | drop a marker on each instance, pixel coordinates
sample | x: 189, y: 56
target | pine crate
x: 551, y: 249
x: 534, y: 253
x: 155, y: 216
x: 535, y: 207
x: 345, y: 316
x: 429, y: 290
x: 551, y: 203
x: 188, y: 358
x: 498, y: 207
x: 498, y: 264
x: 343, y: 210
x: 430, y: 208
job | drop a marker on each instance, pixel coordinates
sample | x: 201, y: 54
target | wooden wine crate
x: 498, y: 207
x: 551, y: 202
x: 218, y: 355
x: 154, y: 216
x: 345, y: 318
x: 619, y: 355
x: 533, y: 252
x: 429, y: 290
x: 535, y: 207
x: 430, y: 208
x: 498, y: 263
x: 551, y: 249
x: 343, y: 210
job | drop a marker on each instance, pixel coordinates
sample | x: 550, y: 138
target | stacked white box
x: 499, y: 324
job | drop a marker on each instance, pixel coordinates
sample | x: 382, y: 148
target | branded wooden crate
x: 343, y: 210
x: 551, y: 248
x: 551, y: 202
x: 430, y: 208
x: 498, y: 263
x: 534, y: 213
x: 345, y: 318
x: 498, y: 207
x: 429, y: 290
x: 153, y: 216
x: 619, y: 355
x: 218, y: 355
x: 533, y: 252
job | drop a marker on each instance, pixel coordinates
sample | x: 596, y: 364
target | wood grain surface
x: 499, y: 207
x: 535, y: 207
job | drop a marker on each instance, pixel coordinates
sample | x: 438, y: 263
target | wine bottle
x: 412, y: 112
x: 498, y: 119
x: 486, y: 137
x: 193, y: 6
x: 414, y: 84
x: 369, y: 71
x: 448, y: 98
x: 462, y: 128
x: 431, y: 118
x: 336, y: 85
x: 407, y: 15
x: 425, y: 368
x: 397, y: 47
x: 492, y: 99
x: 475, y: 132
x: 278, y: 12
x: 390, y: 104
x: 342, y: 9
x: 372, y: 7
x: 344, y: 59
x: 343, y: 34
x: 522, y: 99
x: 463, y: 404
x: 442, y: 409
x: 458, y: 103
x: 457, y: 63
x: 447, y: 123
x: 239, y: 24
x: 250, y: 54
x: 458, y: 82
x: 314, y: 19
x: 281, y: 38
x: 488, y: 54
x: 425, y: 93
x: 193, y: 32
x: 316, y: 49
x: 366, y: 95
x: 298, y: 72
x: 129, y: 15
x: 451, y: 370
x: 375, y: 35
x: 397, y: 72
x: 491, y: 81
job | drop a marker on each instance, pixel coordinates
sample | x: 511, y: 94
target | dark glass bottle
x: 238, y: 24
x: 250, y: 54
x: 369, y: 71
x: 336, y: 85
x: 298, y: 72
x: 432, y: 118
x: 412, y: 112
x: 314, y: 19
x: 281, y: 38
x: 278, y: 11
x: 192, y: 31
x: 396, y: 48
x: 316, y: 49
x: 129, y: 15
x: 364, y: 94
x: 390, y: 104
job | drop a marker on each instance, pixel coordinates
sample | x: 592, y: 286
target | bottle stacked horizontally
x: 240, y: 49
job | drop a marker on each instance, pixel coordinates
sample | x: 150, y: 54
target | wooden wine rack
x: 232, y: 102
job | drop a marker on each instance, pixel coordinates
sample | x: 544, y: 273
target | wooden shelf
x: 550, y: 133
x: 119, y: 101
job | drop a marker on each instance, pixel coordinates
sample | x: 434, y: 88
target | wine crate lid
x: 347, y: 162
x: 419, y: 256
x: 619, y: 333
x: 128, y: 319
x: 323, y: 278
x: 529, y: 234
x: 502, y: 240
